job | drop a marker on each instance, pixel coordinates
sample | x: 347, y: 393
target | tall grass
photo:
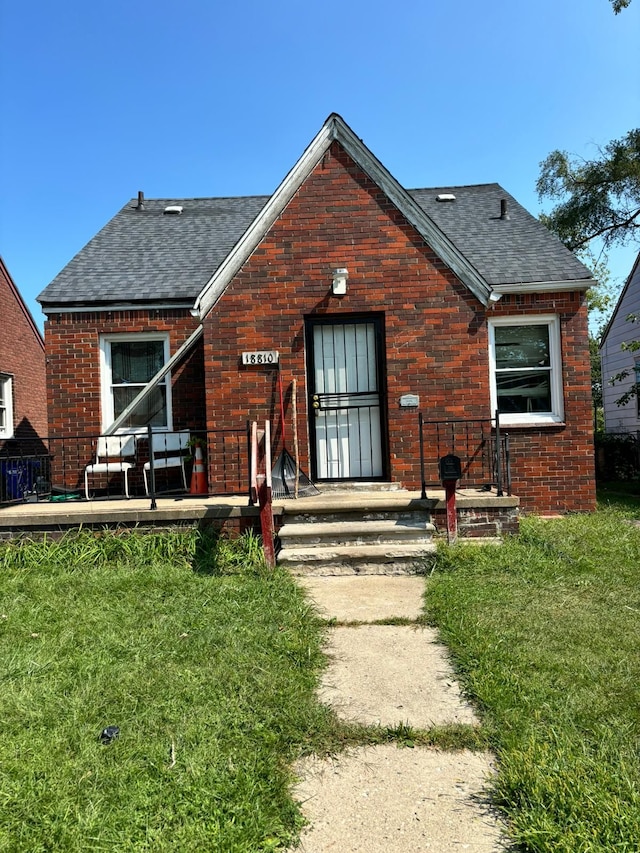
x: 545, y: 632
x: 205, y: 660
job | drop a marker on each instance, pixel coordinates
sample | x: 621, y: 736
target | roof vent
x: 445, y: 197
x: 140, y: 204
x: 174, y: 209
x: 503, y: 209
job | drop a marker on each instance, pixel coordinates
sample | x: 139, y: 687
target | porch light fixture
x: 339, y: 282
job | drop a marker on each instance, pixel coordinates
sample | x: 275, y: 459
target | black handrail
x: 483, y: 448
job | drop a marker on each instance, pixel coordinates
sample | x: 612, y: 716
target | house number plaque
x: 409, y: 400
x: 261, y: 357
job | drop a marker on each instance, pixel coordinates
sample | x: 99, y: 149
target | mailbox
x: 450, y: 467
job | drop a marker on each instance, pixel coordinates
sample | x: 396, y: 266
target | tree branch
x: 625, y: 223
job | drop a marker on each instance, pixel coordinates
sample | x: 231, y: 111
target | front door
x: 346, y: 413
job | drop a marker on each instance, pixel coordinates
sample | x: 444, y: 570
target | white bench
x: 168, y: 450
x: 113, y: 449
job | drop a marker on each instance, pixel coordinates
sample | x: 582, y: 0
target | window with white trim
x: 526, y: 369
x: 128, y: 362
x: 6, y: 406
x: 637, y: 381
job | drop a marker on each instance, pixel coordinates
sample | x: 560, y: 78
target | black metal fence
x: 480, y: 444
x: 53, y: 468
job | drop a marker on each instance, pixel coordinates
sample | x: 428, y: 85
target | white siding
x: 615, y: 359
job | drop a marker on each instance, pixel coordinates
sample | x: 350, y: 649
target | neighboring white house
x: 615, y: 359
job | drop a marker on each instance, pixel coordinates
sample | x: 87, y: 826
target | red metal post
x: 266, y: 510
x: 452, y: 513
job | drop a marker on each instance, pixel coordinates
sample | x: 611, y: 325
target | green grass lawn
x: 624, y: 495
x: 545, y: 634
x: 206, y: 663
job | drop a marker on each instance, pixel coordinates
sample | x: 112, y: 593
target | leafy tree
x: 595, y: 199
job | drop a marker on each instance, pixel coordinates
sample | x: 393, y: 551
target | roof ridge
x: 268, y: 195
x: 458, y: 187
x: 200, y: 198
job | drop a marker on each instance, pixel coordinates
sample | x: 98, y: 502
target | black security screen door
x: 345, y: 406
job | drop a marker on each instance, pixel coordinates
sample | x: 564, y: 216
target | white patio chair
x: 168, y: 449
x: 111, y: 452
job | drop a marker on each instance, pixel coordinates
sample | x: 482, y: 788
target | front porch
x: 352, y: 526
x: 481, y: 513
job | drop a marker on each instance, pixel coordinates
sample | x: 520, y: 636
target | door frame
x: 377, y: 318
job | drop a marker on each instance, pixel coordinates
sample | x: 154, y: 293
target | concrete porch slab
x: 234, y: 511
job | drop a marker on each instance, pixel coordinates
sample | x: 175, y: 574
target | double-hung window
x: 128, y: 363
x: 6, y: 406
x: 526, y: 370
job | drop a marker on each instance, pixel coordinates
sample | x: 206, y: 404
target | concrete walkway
x: 386, y: 799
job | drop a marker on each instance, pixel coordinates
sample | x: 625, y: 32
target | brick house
x: 618, y: 358
x: 23, y: 398
x: 380, y: 302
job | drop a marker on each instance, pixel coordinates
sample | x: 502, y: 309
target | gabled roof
x: 146, y: 255
x: 634, y: 275
x: 5, y: 274
x: 335, y: 129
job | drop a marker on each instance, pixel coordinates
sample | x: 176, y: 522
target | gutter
x: 546, y: 286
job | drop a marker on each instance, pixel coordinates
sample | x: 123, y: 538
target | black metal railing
x: 54, y: 467
x: 24, y: 475
x: 483, y: 449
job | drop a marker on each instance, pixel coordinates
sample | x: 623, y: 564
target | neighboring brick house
x: 380, y: 301
x: 617, y: 358
x: 23, y: 396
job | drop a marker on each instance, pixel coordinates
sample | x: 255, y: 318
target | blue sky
x: 197, y: 98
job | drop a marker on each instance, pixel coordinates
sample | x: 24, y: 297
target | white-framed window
x: 127, y: 363
x: 6, y: 406
x: 636, y: 368
x: 526, y: 369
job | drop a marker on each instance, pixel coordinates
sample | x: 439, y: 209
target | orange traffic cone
x: 199, y: 475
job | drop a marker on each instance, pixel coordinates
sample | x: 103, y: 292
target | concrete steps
x: 346, y: 534
x: 363, y: 532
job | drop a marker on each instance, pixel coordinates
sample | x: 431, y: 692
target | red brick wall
x: 22, y: 355
x: 553, y: 467
x: 73, y: 377
x: 436, y: 333
x: 73, y: 372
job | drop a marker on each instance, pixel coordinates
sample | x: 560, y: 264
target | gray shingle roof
x: 517, y: 250
x: 147, y: 255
